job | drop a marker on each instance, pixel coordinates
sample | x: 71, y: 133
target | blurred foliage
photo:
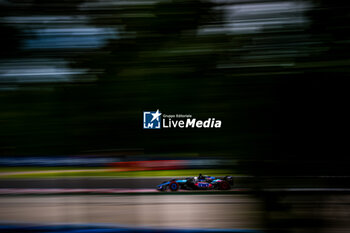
x: 281, y: 92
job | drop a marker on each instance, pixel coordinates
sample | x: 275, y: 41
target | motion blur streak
x: 325, y: 213
x: 86, y: 69
x: 180, y: 211
x: 76, y: 76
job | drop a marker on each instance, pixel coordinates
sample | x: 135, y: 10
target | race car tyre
x: 229, y: 179
x: 224, y: 185
x: 174, y: 186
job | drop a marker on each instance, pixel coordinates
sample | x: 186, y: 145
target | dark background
x: 281, y: 91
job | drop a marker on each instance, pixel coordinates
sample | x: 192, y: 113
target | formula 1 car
x: 202, y: 182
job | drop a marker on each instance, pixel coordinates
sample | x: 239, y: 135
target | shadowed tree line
x: 281, y: 93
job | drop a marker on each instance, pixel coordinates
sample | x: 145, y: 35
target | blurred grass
x: 103, y: 172
x: 24, y: 169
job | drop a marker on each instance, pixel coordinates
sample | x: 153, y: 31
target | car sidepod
x: 203, y: 185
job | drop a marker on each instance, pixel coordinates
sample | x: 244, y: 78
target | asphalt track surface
x: 304, y: 213
x: 325, y: 212
x: 139, y: 183
x: 180, y: 211
x: 151, y: 183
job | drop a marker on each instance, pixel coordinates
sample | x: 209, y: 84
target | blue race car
x: 201, y: 182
